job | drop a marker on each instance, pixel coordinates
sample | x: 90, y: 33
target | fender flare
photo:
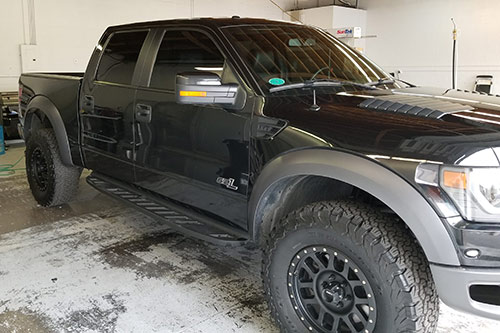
x: 369, y: 176
x: 45, y: 106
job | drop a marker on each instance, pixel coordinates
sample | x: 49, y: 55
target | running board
x: 179, y: 218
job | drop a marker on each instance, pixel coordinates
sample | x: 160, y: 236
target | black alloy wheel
x: 51, y: 181
x: 39, y: 170
x: 347, y: 267
x: 329, y: 292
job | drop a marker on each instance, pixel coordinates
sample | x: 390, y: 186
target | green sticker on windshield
x: 276, y: 81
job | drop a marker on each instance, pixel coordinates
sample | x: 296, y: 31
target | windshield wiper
x: 388, y: 80
x: 320, y: 83
x: 381, y: 82
x: 313, y: 84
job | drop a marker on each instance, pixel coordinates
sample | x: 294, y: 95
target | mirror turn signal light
x: 185, y: 93
x: 455, y: 179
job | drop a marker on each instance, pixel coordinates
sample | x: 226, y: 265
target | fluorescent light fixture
x: 404, y: 159
x: 209, y: 69
x: 344, y: 93
x: 454, y: 99
x: 477, y: 119
x: 376, y: 157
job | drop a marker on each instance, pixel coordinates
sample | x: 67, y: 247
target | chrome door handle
x: 143, y: 113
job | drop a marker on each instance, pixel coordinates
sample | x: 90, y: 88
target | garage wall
x: 67, y: 31
x: 332, y: 18
x: 412, y: 35
x: 11, y: 30
x: 416, y: 37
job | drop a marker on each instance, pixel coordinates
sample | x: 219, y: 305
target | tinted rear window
x: 120, y: 57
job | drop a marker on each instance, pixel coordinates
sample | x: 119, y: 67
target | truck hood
x: 415, y: 124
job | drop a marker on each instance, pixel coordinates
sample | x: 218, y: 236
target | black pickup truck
x: 369, y: 197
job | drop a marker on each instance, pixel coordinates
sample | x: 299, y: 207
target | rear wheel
x: 52, y: 183
x: 345, y: 267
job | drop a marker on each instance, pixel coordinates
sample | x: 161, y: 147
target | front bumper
x: 472, y: 290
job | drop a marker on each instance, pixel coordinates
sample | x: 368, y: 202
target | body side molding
x: 369, y: 176
x: 44, y: 105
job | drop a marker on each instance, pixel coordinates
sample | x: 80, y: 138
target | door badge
x: 227, y: 182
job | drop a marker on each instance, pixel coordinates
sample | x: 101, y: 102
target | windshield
x: 286, y: 54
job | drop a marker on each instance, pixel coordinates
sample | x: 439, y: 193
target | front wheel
x: 52, y: 183
x: 345, y: 267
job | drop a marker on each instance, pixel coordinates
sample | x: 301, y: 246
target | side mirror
x: 207, y: 89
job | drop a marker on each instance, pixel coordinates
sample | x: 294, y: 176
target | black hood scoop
x: 429, y: 107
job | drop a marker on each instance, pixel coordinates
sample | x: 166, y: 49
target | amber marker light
x: 186, y: 93
x: 455, y: 179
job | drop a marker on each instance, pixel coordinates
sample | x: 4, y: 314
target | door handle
x: 143, y: 113
x: 88, y: 103
x: 136, y: 128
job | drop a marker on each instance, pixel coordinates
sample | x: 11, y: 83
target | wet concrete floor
x: 97, y: 266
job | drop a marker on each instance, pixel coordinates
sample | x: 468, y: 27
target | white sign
x: 351, y: 32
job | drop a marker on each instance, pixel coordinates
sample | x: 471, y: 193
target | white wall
x: 344, y: 17
x: 332, y: 18
x: 12, y: 35
x: 416, y: 37
x: 412, y: 35
x: 67, y: 31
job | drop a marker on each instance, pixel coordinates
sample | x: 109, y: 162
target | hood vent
x: 428, y: 107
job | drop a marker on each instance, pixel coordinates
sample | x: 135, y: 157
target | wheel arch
x: 286, y: 171
x: 42, y: 113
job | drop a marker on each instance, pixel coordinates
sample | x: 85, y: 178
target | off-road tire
x: 382, y: 247
x: 60, y: 181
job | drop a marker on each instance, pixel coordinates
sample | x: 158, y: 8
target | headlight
x: 474, y: 191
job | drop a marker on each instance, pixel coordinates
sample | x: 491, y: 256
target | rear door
x: 107, y: 106
x: 195, y: 155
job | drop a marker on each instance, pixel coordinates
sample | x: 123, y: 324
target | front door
x: 107, y: 107
x: 193, y: 155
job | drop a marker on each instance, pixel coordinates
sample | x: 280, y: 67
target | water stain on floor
x: 96, y: 318
x: 123, y: 255
x: 97, y: 266
x: 24, y: 321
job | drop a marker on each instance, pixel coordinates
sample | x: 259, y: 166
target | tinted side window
x: 120, y: 57
x: 184, y: 51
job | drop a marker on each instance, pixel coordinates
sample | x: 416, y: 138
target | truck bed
x: 54, y: 75
x: 61, y: 89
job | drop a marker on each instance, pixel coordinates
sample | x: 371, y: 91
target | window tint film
x: 184, y: 51
x: 284, y: 54
x: 120, y: 57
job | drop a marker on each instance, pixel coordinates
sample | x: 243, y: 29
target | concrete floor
x: 96, y: 266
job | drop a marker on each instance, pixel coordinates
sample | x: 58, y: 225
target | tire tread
x: 383, y: 237
x: 65, y: 177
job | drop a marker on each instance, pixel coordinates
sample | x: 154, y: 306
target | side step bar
x: 179, y: 218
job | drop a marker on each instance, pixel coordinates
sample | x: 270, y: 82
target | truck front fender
x: 367, y: 175
x: 43, y: 105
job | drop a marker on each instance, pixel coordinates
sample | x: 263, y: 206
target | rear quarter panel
x: 62, y: 90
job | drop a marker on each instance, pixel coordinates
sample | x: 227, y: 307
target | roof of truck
x: 206, y: 21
